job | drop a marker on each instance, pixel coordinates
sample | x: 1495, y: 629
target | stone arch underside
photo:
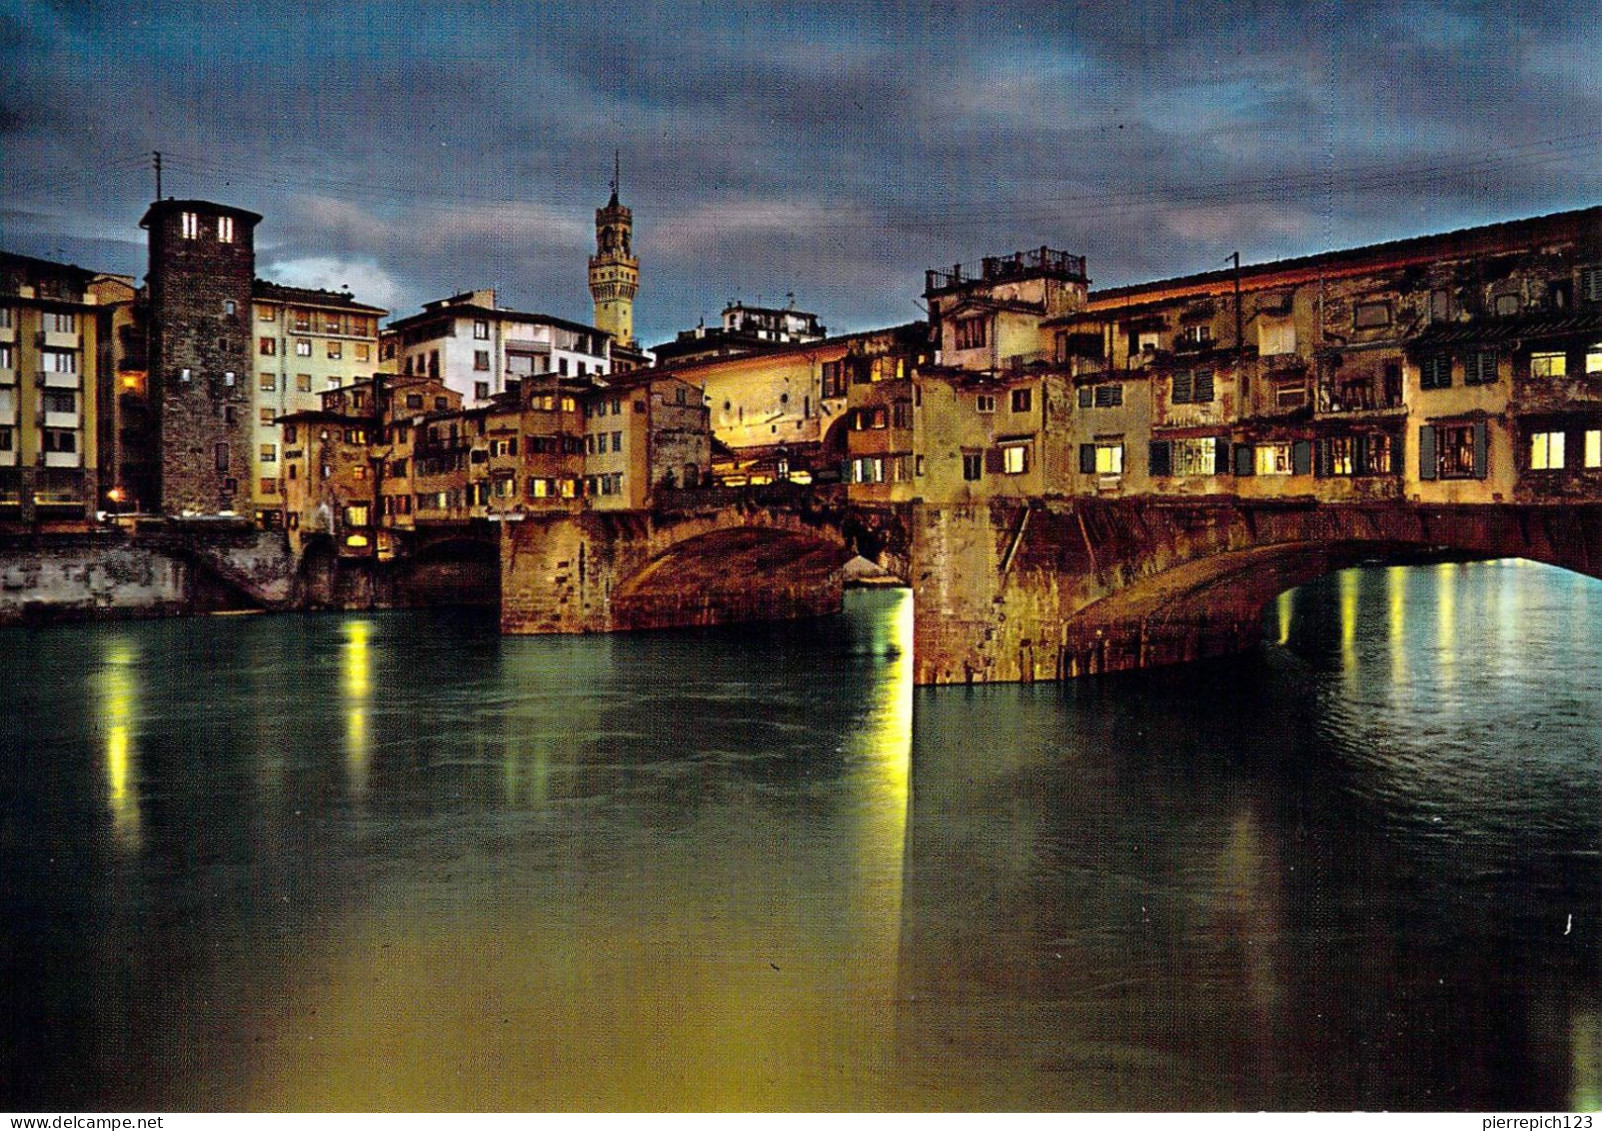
x: 1208, y: 595
x: 743, y: 573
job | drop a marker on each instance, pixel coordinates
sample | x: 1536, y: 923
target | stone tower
x: 202, y: 265
x: 614, y: 271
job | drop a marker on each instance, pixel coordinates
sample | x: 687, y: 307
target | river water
x: 394, y: 860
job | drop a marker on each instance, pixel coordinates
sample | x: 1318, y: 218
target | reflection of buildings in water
x: 736, y: 952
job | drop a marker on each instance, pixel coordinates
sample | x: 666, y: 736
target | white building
x: 476, y: 348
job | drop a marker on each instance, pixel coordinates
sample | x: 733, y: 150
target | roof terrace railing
x: 999, y: 268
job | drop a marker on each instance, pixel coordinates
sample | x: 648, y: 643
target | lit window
x: 1546, y: 451
x: 229, y: 306
x: 1593, y: 359
x: 336, y: 350
x: 225, y: 229
x: 1548, y: 364
x: 1273, y: 459
x: 481, y: 330
x: 1015, y: 459
x: 267, y: 314
x: 303, y: 347
x: 303, y: 382
x: 228, y: 378
x: 269, y: 347
x: 265, y: 416
x: 191, y: 225
x: 1593, y: 448
x: 1109, y: 459
x: 1195, y: 456
x: 269, y: 453
x: 364, y: 352
x: 269, y: 382
x: 356, y: 515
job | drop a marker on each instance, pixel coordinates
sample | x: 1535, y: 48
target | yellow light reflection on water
x: 1396, y: 608
x: 1446, y: 617
x: 883, y: 755
x: 1285, y: 606
x: 1347, y: 583
x: 117, y: 707
x: 356, y: 667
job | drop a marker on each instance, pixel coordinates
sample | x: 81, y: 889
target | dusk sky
x: 835, y: 151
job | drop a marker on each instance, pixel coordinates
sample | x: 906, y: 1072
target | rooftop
x: 308, y: 296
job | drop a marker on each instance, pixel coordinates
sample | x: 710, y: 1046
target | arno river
x: 395, y: 860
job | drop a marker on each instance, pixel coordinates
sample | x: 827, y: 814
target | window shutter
x: 1245, y: 460
x: 1181, y: 390
x: 1321, y: 458
x: 1398, y: 442
x: 1481, y: 454
x: 1161, y: 458
x: 1087, y: 459
x: 1221, y: 456
x: 993, y: 463
x: 1302, y: 457
x: 1426, y: 451
x: 1202, y: 390
x: 1360, y: 455
x: 1086, y: 395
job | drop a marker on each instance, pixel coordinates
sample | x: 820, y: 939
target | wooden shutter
x: 1398, y: 442
x: 1321, y: 458
x: 1426, y: 451
x: 1481, y: 449
x: 1302, y: 457
x: 1086, y: 395
x: 1087, y: 459
x: 1161, y: 458
x: 1221, y: 456
x: 1360, y: 455
x: 1181, y: 388
x: 1201, y: 391
x: 1245, y: 459
x: 993, y: 462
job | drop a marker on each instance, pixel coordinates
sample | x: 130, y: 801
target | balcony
x: 58, y: 339
x: 8, y: 459
x: 1362, y: 396
x: 63, y: 459
x: 63, y: 420
x: 58, y: 380
x: 8, y: 335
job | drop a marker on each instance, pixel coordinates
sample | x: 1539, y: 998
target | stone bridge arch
x: 1059, y: 589
x: 716, y: 561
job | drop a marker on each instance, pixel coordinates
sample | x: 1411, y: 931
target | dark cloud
x: 833, y: 151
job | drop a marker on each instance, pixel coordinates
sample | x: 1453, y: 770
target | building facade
x: 480, y: 350
x: 306, y: 342
x: 202, y: 272
x: 53, y: 348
